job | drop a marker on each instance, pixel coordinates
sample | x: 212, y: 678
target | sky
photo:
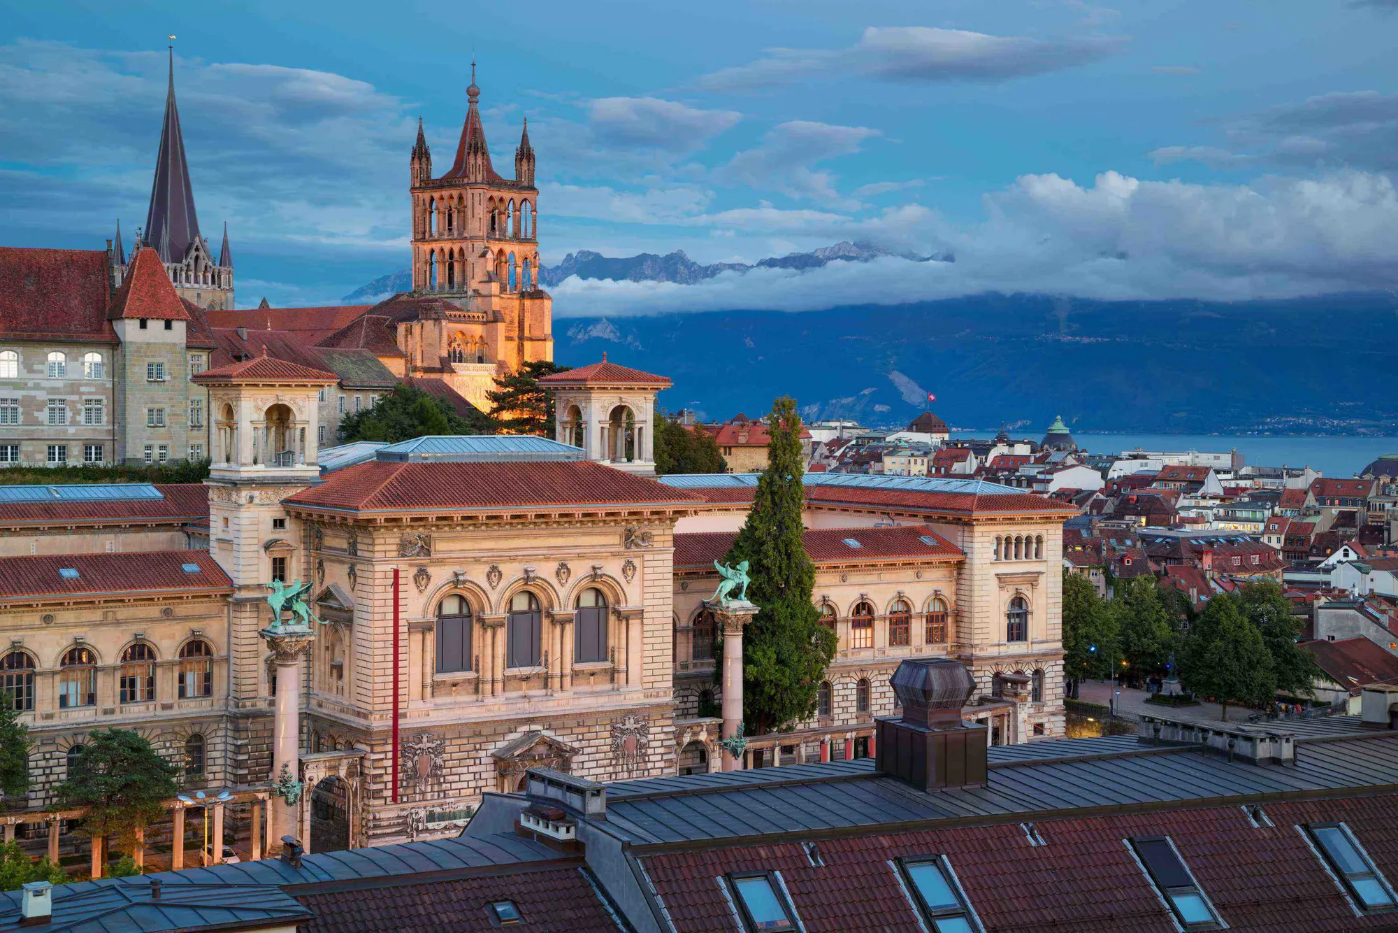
x: 1156, y: 149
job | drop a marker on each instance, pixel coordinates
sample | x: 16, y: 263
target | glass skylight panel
x: 1351, y: 863
x: 935, y: 897
x: 763, y: 908
x: 190, y: 568
x: 1167, y: 870
x: 853, y: 543
x: 506, y: 913
x: 68, y: 573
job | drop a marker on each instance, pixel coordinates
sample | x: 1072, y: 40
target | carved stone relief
x: 636, y: 538
x: 630, y: 739
x: 494, y: 575
x: 563, y: 572
x: 415, y: 544
x: 421, y: 578
x: 424, y: 761
x: 628, y: 570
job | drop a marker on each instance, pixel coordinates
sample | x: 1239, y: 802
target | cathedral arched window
x: 526, y: 217
x: 510, y: 219
x: 513, y: 273
x: 527, y: 282
x: 432, y: 269
x: 432, y: 217
x: 451, y: 270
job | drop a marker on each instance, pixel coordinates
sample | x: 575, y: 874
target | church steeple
x: 524, y: 158
x: 171, y: 224
x: 225, y: 254
x: 118, y: 251
x: 472, y: 154
x: 420, y: 162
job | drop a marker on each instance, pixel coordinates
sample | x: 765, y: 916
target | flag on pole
x: 931, y: 397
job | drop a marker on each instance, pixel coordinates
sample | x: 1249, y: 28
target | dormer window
x: 761, y: 905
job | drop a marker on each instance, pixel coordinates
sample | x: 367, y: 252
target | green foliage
x: 520, y: 405
x: 1091, y: 631
x: 1149, y: 632
x: 406, y: 413
x: 123, y: 867
x: 122, y: 781
x: 14, y: 749
x: 785, y: 649
x: 681, y: 450
x: 17, y: 868
x: 1268, y: 608
x: 1225, y: 657
x: 182, y: 471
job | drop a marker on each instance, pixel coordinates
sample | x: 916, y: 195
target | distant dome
x: 1003, y: 437
x: 928, y: 423
x: 1058, y: 436
x: 1386, y: 465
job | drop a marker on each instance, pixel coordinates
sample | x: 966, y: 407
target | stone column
x: 731, y: 617
x: 494, y: 628
x: 177, y: 838
x: 289, y: 645
x: 256, y: 818
x: 216, y: 842
x: 54, y: 825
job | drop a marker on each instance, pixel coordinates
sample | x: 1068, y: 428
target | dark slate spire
x: 118, y: 251
x: 524, y: 158
x: 225, y: 255
x: 472, y: 154
x: 171, y: 224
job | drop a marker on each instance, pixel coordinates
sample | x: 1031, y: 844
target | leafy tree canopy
x: 520, y: 405
x: 785, y: 649
x: 1148, y: 630
x: 18, y: 869
x: 1225, y: 656
x: 14, y: 749
x: 1091, y: 631
x: 1268, y: 608
x: 406, y: 413
x: 681, y: 450
x: 122, y: 781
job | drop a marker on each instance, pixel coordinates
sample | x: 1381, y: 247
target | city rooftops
x: 444, y: 448
x: 945, y: 494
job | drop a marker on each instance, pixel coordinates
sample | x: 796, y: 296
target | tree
x: 406, y: 413
x: 1148, y: 633
x: 681, y: 450
x: 1268, y: 608
x: 14, y: 749
x: 18, y: 869
x: 785, y: 648
x: 520, y: 405
x: 122, y: 782
x: 1091, y: 632
x: 1225, y: 657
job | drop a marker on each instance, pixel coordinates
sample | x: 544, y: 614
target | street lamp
x: 199, y: 800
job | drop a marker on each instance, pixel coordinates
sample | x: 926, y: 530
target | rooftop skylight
x: 1349, y: 862
x: 1171, y: 876
x: 68, y: 573
x: 762, y: 906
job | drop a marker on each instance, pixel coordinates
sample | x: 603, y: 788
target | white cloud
x: 652, y: 206
x: 885, y: 187
x: 1118, y: 239
x: 919, y: 54
x: 786, y: 158
x: 661, y: 124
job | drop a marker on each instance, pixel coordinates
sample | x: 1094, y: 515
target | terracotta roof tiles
x: 604, y: 373
x: 25, y: 578
x: 828, y: 545
x: 146, y: 292
x: 55, y: 294
x: 264, y: 369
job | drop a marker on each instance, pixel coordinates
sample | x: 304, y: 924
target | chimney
x: 1378, y: 706
x: 930, y: 747
x: 36, y: 908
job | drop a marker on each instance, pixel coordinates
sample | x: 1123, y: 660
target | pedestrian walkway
x: 1131, y: 703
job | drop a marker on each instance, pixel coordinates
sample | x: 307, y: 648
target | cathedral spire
x: 524, y: 158
x: 472, y: 154
x: 171, y: 224
x: 118, y: 251
x: 225, y: 254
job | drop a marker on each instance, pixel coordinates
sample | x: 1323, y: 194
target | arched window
x: 431, y: 216
x: 861, y: 696
x: 450, y: 263
x: 17, y: 677
x: 510, y: 219
x: 526, y: 215
x: 861, y: 626
x: 900, y: 624
x: 513, y: 271
x: 1038, y: 547
x: 701, y: 647
x: 58, y: 365
x: 9, y: 364
x: 524, y: 631
x: 72, y: 757
x: 1019, y: 548
x: 77, y: 678
x: 196, y: 670
x: 823, y: 700
x: 828, y: 616
x: 432, y: 269
x: 93, y: 367
x: 138, y: 674
x: 454, y: 632
x: 590, y: 626
x: 1017, y: 620
x: 937, y: 622
x: 194, y: 756
x: 525, y: 282
x: 1036, y: 686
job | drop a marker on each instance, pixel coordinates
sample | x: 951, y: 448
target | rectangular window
x: 196, y: 451
x: 357, y: 401
x: 1172, y: 878
x: 9, y: 453
x: 341, y: 401
x: 279, y: 568
x: 1351, y: 865
x: 162, y: 454
x: 155, y: 372
x: 320, y: 434
x: 762, y: 906
x: 590, y: 634
x: 149, y: 453
x: 936, y: 895
x: 9, y: 411
x: 278, y: 524
x: 144, y: 324
x: 57, y: 411
x: 196, y: 364
x: 320, y: 394
x: 454, y: 641
x: 92, y: 453
x: 523, y: 634
x: 94, y: 411
x: 58, y: 453
x: 170, y: 325
x: 196, y: 413
x: 155, y: 417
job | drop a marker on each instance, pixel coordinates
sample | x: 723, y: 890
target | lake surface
x: 1332, y: 456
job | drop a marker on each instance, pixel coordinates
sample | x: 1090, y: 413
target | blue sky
x: 1129, y: 150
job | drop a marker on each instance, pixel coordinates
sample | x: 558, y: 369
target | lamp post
x: 200, y: 800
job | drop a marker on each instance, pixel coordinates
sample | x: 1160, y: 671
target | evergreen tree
x: 1268, y: 608
x: 14, y: 749
x: 1225, y: 657
x: 1148, y: 631
x: 681, y: 450
x: 1091, y: 633
x: 122, y: 781
x: 406, y: 413
x: 785, y: 648
x: 18, y: 869
x: 520, y: 405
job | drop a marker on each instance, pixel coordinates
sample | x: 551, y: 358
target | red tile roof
x: 1342, y: 488
x: 373, y: 332
x: 313, y: 323
x: 701, y: 549
x: 1354, y: 662
x: 55, y: 294
x: 197, y: 332
x: 959, y: 502
x: 384, y: 485
x: 604, y: 373
x: 146, y: 292
x: 553, y: 900
x: 1292, y: 499
x: 1177, y: 473
x: 183, y: 502
x: 742, y: 431
x: 137, y: 572
x: 264, y: 369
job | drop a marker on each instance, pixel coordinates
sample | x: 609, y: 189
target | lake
x: 1332, y: 456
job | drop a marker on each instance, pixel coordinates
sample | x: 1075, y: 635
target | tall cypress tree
x: 785, y: 648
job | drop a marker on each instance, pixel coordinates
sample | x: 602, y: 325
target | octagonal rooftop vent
x: 932, y: 691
